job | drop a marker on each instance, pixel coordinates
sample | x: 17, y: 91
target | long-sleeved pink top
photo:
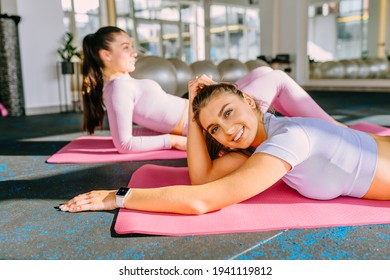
x: 144, y: 102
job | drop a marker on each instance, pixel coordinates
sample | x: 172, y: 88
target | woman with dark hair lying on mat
x: 108, y: 88
x: 319, y: 159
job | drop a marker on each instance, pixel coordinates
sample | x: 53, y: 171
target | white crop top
x: 327, y: 160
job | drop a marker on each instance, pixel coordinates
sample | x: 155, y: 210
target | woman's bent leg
x: 253, y: 75
x: 278, y: 89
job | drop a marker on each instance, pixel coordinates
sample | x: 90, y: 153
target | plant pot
x: 67, y: 67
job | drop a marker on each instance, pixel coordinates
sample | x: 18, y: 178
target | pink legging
x: 276, y: 88
x: 3, y: 111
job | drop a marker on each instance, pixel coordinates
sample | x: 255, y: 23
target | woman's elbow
x: 199, y: 207
x: 123, y: 150
x: 121, y: 146
x: 197, y: 181
x: 125, y: 147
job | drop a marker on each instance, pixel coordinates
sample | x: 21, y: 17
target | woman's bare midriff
x: 178, y: 129
x: 380, y: 186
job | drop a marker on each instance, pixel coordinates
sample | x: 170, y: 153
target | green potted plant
x: 67, y: 52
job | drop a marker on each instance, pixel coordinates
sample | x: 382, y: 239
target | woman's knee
x: 253, y: 75
x: 260, y: 71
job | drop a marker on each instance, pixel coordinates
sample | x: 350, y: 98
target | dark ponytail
x: 92, y: 85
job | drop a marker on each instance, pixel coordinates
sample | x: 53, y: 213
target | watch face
x: 122, y: 191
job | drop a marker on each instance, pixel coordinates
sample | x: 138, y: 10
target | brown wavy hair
x: 202, y: 98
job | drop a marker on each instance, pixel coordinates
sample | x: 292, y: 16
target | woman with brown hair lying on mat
x: 108, y: 88
x: 319, y: 159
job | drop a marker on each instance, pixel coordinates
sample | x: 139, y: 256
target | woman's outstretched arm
x: 257, y: 174
x: 202, y: 168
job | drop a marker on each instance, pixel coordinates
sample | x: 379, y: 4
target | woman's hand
x: 194, y: 84
x: 91, y: 201
x: 178, y: 142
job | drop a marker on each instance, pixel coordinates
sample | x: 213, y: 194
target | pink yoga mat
x: 97, y: 149
x: 278, y: 208
x: 371, y: 128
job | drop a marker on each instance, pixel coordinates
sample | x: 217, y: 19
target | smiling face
x: 120, y: 58
x: 232, y: 120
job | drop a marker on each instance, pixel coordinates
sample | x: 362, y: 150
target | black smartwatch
x: 121, y: 194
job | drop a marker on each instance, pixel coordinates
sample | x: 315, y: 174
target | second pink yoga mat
x: 95, y: 149
x: 278, y: 208
x: 98, y: 149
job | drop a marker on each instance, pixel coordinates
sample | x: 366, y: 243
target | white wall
x: 373, y: 28
x: 283, y: 30
x: 8, y: 7
x: 268, y: 23
x: 322, y: 31
x: 40, y: 31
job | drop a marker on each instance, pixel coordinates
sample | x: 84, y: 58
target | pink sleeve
x: 119, y: 104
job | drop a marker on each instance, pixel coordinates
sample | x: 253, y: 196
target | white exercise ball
x: 315, y: 70
x: 383, y: 65
x: 206, y: 67
x: 255, y: 63
x: 351, y: 69
x: 332, y: 70
x: 373, y: 67
x: 158, y: 69
x: 184, y: 74
x: 232, y: 69
x: 363, y: 71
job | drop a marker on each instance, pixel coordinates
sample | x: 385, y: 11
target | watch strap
x: 120, y: 199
